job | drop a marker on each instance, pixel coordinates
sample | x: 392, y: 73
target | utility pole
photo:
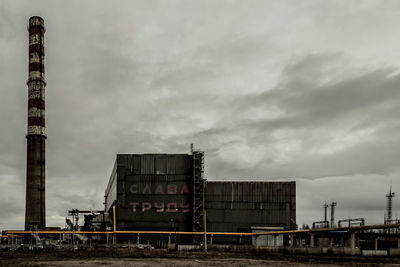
x: 205, y: 230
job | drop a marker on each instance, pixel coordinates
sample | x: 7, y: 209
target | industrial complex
x: 165, y: 201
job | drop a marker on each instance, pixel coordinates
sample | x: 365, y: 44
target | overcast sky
x: 270, y: 90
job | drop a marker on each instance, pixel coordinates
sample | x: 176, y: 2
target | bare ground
x: 192, y: 259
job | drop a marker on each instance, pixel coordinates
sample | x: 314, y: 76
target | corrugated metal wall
x: 154, y: 192
x: 237, y: 206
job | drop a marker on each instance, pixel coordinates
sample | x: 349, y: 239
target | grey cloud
x: 353, y: 104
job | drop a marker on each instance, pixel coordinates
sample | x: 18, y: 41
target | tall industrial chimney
x: 35, y: 215
x: 333, y: 205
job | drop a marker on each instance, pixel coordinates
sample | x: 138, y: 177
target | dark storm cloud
x: 312, y: 98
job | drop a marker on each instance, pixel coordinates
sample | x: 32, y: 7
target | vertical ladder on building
x: 198, y: 195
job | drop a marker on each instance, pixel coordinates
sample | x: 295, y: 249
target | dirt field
x: 163, y: 258
x: 160, y: 262
x: 171, y: 262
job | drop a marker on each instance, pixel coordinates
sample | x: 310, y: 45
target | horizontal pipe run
x: 9, y: 235
x: 357, y: 228
x: 127, y: 232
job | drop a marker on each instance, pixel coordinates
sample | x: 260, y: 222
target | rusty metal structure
x: 35, y: 210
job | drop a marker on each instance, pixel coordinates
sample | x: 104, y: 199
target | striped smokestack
x: 35, y: 216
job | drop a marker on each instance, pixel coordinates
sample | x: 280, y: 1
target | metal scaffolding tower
x: 198, y: 194
x: 389, y: 207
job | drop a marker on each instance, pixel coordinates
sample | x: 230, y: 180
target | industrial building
x: 167, y: 192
